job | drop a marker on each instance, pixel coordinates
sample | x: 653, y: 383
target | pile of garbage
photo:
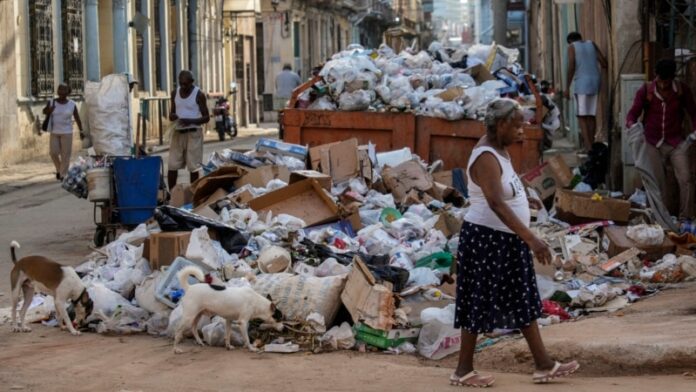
x: 356, y: 249
x: 443, y: 83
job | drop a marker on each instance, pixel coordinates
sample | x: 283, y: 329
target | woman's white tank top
x: 479, y: 212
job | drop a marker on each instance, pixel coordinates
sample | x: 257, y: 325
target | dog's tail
x: 14, y: 245
x: 184, y: 274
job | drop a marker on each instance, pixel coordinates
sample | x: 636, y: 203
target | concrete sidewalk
x: 41, y: 170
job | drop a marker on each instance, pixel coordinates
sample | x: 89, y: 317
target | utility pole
x: 500, y: 21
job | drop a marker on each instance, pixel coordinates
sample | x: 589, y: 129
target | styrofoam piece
x: 169, y: 280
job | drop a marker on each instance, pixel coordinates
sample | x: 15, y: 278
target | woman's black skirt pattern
x: 496, y: 283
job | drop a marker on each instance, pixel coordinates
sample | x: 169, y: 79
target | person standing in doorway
x: 285, y: 83
x: 584, y: 59
x: 190, y: 111
x: 496, y: 283
x: 62, y: 111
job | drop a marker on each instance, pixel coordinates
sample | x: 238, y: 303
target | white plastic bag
x: 356, y: 101
x: 339, y: 337
x: 202, y: 248
x: 438, y: 337
x: 423, y: 276
x: 107, y: 114
x: 646, y: 235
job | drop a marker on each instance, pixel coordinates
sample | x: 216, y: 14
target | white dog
x: 239, y: 304
x: 61, y: 282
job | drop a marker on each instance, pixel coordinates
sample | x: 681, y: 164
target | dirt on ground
x: 51, y: 360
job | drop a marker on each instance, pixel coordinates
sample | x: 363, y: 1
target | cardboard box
x: 306, y: 200
x: 206, y: 211
x: 541, y: 179
x: 181, y: 195
x: 218, y: 195
x: 368, y: 302
x: 364, y: 153
x: 480, y: 73
x: 339, y: 160
x: 448, y: 224
x: 282, y: 148
x: 615, y: 241
x: 406, y: 177
x: 223, y: 177
x: 323, y: 179
x: 261, y: 176
x: 242, y: 196
x: 577, y: 207
x: 560, y: 171
x: 166, y: 247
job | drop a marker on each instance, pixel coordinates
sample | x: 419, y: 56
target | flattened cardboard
x: 242, y: 196
x: 448, y: 224
x: 213, y: 198
x: 368, y: 302
x: 306, y: 200
x: 480, y: 73
x: 223, y: 177
x: 365, y: 162
x: 615, y: 241
x: 340, y: 160
x: 206, y: 211
x: 261, y: 176
x: 577, y: 207
x: 560, y: 171
x: 541, y: 179
x: 405, y: 177
x: 181, y: 195
x: 166, y: 247
x: 323, y: 179
x: 620, y: 259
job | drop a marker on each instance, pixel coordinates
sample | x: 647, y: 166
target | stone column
x: 92, y: 39
x: 120, y: 33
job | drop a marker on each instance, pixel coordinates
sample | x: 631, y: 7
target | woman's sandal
x: 558, y: 370
x: 472, y: 379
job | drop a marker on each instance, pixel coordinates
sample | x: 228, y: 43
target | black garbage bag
x: 175, y: 219
x: 595, y: 169
x: 396, y: 275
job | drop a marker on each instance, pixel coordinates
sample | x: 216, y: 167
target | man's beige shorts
x: 186, y: 150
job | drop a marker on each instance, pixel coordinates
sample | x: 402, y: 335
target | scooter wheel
x: 233, y: 132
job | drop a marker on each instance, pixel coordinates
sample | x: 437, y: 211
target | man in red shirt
x: 663, y: 104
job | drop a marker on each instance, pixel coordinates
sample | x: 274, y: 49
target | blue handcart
x: 135, y: 194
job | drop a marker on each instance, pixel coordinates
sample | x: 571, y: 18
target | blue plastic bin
x: 137, y: 182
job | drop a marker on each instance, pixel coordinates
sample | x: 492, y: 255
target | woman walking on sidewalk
x: 496, y: 283
x: 61, y: 111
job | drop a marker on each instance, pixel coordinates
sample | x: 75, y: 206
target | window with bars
x: 73, y: 60
x: 41, y: 35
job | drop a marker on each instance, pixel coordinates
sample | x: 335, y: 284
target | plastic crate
x: 384, y: 339
x: 169, y: 281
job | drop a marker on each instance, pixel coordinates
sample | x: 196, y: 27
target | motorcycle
x: 224, y: 123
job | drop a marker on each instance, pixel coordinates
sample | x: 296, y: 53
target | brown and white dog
x: 39, y: 273
x: 239, y: 304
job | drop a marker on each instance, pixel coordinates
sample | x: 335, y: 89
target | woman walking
x: 496, y: 283
x: 61, y: 111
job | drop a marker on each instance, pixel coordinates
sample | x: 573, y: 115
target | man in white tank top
x: 190, y: 111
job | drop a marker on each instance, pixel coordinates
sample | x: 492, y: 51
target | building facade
x: 72, y: 41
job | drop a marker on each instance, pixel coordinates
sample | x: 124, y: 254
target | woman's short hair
x: 499, y: 110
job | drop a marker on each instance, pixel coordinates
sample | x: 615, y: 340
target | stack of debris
x: 357, y: 250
